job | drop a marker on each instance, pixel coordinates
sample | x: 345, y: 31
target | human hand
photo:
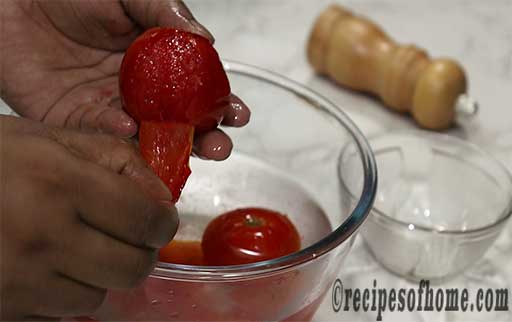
x: 81, y: 213
x: 60, y: 61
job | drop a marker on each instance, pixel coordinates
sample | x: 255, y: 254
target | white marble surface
x: 272, y: 34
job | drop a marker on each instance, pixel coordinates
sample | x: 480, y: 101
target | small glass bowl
x: 285, y: 159
x: 441, y: 203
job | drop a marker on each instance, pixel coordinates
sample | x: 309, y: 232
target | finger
x: 14, y: 125
x: 68, y: 298
x: 237, y: 114
x: 165, y: 13
x: 213, y: 145
x: 116, y: 122
x: 117, y: 155
x: 103, y: 118
x: 97, y: 259
x: 100, y: 24
x: 117, y: 206
x: 93, y: 107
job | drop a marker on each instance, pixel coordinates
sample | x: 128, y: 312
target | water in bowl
x: 242, y: 181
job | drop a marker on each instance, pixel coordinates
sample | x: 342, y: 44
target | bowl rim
x: 505, y: 214
x: 343, y: 232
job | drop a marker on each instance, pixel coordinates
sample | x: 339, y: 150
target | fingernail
x: 118, y: 123
x: 182, y: 9
x: 237, y: 113
x: 184, y: 12
x: 201, y: 30
x: 214, y: 145
x: 127, y: 123
x: 165, y: 230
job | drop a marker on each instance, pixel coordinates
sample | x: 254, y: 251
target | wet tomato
x: 173, y: 75
x: 166, y: 147
x: 249, y: 235
x: 172, y: 83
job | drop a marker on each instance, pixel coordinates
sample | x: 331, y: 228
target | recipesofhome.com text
x: 424, y: 297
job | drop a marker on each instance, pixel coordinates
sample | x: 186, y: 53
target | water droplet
x: 174, y: 314
x: 194, y: 306
x: 169, y: 300
x: 155, y: 302
x: 171, y: 292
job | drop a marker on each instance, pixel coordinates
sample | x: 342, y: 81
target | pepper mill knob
x: 357, y: 54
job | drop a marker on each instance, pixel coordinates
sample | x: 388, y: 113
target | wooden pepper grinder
x: 357, y: 54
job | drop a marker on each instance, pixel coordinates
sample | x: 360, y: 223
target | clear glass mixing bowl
x: 440, y: 205
x: 286, y: 159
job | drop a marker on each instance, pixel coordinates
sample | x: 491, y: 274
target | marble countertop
x: 272, y: 34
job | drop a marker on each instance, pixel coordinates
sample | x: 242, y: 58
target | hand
x: 60, y: 61
x: 80, y: 213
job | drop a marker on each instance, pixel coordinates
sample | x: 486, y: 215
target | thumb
x: 164, y: 13
x: 115, y: 154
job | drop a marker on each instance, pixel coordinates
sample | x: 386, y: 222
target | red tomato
x: 173, y: 75
x: 168, y: 75
x: 166, y: 147
x: 249, y: 235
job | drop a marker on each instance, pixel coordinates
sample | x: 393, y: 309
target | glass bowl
x: 285, y: 159
x: 440, y: 204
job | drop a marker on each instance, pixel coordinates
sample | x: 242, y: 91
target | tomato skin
x: 166, y: 147
x: 173, y: 75
x: 248, y: 235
